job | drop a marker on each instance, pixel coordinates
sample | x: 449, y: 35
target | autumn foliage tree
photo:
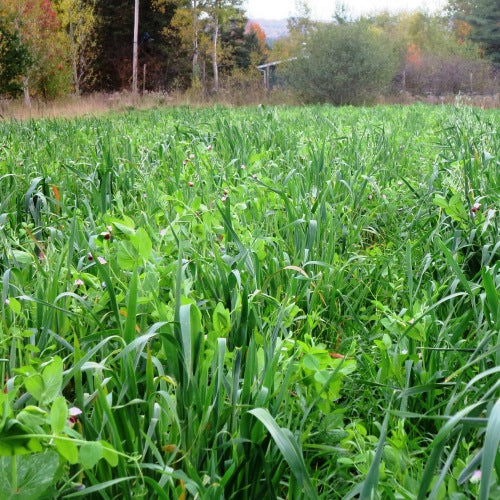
x: 434, y: 57
x: 78, y: 21
x: 217, y: 45
x: 260, y: 37
x: 39, y: 29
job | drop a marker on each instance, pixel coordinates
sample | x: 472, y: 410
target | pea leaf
x: 68, y: 450
x: 34, y: 385
x: 221, y: 320
x: 58, y: 415
x: 142, y: 243
x: 52, y: 380
x: 127, y: 255
x: 90, y: 453
x: 23, y: 258
x: 34, y: 474
x: 109, y: 453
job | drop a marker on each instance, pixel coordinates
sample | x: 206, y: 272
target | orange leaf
x: 57, y: 194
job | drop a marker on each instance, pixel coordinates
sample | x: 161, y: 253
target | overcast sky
x: 324, y: 9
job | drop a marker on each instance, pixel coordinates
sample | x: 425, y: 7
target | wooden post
x: 135, y: 47
x: 196, y: 65
x: 26, y: 90
x: 215, y: 65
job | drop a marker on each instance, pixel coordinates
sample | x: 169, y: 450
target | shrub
x: 449, y: 74
x: 342, y: 64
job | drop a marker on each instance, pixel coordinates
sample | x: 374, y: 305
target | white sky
x: 324, y: 9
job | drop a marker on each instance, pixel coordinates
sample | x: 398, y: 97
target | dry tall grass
x: 230, y: 95
x: 100, y: 103
x: 92, y: 104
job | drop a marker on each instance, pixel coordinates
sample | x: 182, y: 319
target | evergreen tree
x: 483, y: 16
x: 113, y: 35
x: 237, y: 43
x: 485, y: 22
x: 15, y: 60
x: 158, y: 44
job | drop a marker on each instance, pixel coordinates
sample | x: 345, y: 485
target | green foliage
x: 78, y: 21
x: 267, y: 302
x: 240, y: 49
x: 27, y: 476
x: 39, y: 29
x: 38, y: 441
x: 342, y: 64
x: 15, y: 60
x: 482, y: 16
x: 485, y: 31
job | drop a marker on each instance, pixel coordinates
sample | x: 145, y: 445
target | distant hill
x: 273, y: 28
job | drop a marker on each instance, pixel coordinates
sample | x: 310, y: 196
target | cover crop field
x: 251, y: 303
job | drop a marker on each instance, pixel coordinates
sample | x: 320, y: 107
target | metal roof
x: 274, y: 63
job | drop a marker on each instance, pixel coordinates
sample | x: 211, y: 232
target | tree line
x: 351, y: 61
x: 54, y: 47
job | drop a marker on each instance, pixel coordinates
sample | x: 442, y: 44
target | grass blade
x: 289, y: 449
x: 490, y: 450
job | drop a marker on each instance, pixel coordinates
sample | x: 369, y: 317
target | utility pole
x: 196, y: 65
x: 135, y: 51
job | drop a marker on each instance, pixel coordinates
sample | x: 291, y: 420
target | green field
x: 251, y: 303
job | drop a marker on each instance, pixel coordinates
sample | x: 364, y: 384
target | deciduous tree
x: 78, y: 21
x: 39, y: 29
x: 256, y: 29
x: 219, y: 12
x: 342, y: 64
